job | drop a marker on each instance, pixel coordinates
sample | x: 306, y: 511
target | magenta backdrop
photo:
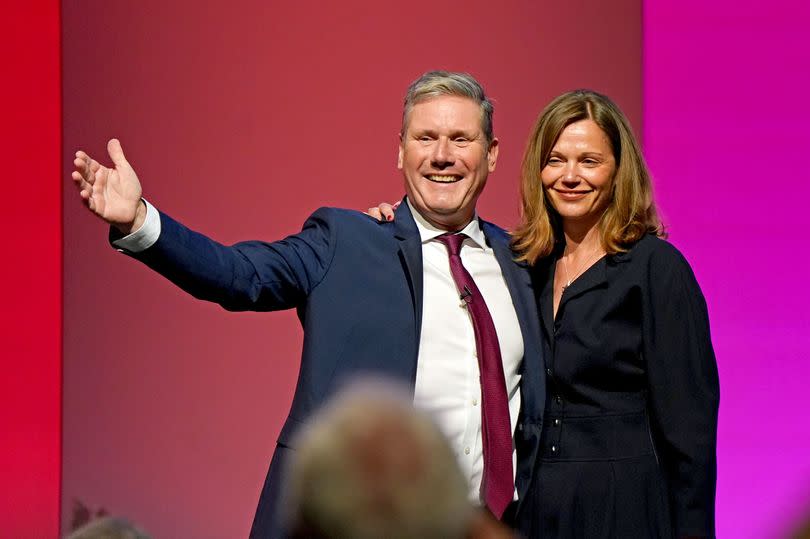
x: 241, y: 117
x: 726, y: 130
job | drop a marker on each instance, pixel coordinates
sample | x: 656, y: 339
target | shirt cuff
x: 145, y: 236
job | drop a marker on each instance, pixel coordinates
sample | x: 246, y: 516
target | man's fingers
x: 83, y: 165
x: 78, y: 179
x: 116, y: 152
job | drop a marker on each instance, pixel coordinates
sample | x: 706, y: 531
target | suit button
x: 553, y: 448
x: 557, y: 422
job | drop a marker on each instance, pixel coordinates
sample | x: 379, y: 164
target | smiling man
x: 451, y: 315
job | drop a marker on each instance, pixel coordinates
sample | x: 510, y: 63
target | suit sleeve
x: 684, y: 390
x: 251, y: 275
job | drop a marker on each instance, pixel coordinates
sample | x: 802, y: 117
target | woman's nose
x: 570, y: 175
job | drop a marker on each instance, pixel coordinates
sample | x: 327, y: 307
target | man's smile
x: 443, y: 178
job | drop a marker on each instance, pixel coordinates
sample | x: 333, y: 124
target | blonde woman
x: 629, y: 433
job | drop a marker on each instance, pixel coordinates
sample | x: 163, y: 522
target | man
x: 401, y: 299
x: 369, y: 466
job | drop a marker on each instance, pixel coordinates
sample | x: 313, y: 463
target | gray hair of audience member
x: 108, y: 528
x: 440, y: 83
x: 370, y: 466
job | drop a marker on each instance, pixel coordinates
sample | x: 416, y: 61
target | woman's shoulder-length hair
x: 631, y: 212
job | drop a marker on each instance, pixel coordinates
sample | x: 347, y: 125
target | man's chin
x: 448, y: 219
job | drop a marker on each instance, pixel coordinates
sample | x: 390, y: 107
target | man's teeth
x: 442, y: 178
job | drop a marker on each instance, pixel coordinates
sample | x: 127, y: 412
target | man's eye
x: 425, y: 138
x: 461, y: 140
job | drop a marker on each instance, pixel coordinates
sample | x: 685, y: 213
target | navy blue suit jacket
x: 357, y: 286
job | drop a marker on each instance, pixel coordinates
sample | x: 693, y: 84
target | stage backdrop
x: 727, y: 139
x: 241, y: 118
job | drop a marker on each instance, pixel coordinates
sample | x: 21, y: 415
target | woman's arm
x: 683, y: 388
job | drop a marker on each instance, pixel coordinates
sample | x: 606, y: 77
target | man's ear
x: 399, y: 153
x: 492, y: 154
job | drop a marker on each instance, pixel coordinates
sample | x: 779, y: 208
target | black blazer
x: 631, y: 336
x: 357, y: 286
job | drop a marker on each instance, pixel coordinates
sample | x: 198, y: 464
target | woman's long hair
x: 631, y: 212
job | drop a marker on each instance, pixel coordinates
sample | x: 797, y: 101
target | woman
x: 629, y: 434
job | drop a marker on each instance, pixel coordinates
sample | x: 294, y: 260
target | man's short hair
x: 370, y: 466
x: 108, y: 528
x: 438, y: 83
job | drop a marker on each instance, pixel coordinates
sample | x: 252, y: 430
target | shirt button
x: 466, y: 450
x: 475, y: 402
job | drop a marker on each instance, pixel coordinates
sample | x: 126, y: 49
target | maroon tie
x: 498, y: 484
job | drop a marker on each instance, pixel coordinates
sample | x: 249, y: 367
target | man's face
x: 444, y: 157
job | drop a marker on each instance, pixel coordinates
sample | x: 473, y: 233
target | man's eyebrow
x: 466, y: 134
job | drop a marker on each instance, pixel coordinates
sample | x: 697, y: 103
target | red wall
x: 30, y: 331
x: 241, y: 118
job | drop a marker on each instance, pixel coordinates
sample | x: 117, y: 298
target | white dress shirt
x: 447, y: 375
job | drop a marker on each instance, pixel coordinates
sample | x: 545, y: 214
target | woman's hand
x: 383, y: 212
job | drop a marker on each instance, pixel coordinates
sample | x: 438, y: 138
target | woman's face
x: 578, y: 177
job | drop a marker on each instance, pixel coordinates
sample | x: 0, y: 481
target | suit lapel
x: 545, y: 269
x: 518, y: 281
x: 532, y: 385
x: 410, y: 255
x: 593, y: 277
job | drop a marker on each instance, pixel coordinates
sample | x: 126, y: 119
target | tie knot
x: 452, y: 242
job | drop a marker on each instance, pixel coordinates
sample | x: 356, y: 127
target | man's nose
x: 442, y: 153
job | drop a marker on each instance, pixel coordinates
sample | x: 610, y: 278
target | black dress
x: 629, y: 434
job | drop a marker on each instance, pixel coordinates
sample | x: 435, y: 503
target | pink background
x: 727, y: 139
x: 241, y: 119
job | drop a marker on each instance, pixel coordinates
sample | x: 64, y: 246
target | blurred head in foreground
x: 108, y: 528
x: 370, y: 466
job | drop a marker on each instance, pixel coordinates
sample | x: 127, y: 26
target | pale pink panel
x: 726, y: 132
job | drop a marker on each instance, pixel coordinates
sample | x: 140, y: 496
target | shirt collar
x: 428, y: 232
